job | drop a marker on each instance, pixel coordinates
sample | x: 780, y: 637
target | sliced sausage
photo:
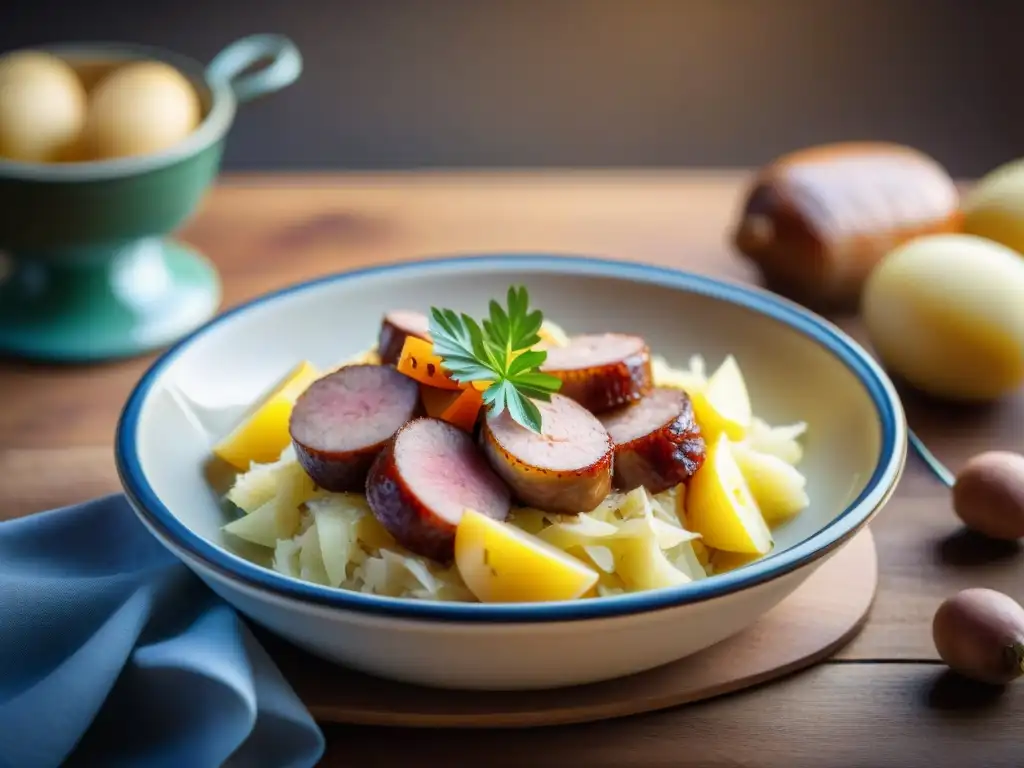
x: 566, y: 468
x: 395, y: 328
x: 602, y: 371
x: 423, y: 481
x: 342, y: 421
x: 658, y: 444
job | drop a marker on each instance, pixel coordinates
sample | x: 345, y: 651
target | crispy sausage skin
x: 395, y: 328
x: 423, y: 481
x: 566, y: 468
x: 342, y: 421
x: 602, y: 371
x: 658, y: 443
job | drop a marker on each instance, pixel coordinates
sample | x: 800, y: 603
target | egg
x: 139, y: 109
x: 945, y: 313
x: 994, y: 208
x: 42, y: 107
x: 980, y: 634
x: 988, y: 495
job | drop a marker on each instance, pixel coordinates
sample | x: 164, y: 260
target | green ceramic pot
x: 87, y: 268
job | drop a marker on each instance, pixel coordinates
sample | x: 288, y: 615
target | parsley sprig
x: 498, y: 350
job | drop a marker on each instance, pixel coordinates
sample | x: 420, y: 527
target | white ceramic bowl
x: 798, y: 367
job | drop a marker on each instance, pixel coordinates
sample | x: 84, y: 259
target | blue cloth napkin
x: 112, y: 653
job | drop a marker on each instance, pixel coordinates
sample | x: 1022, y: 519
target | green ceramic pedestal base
x: 95, y: 304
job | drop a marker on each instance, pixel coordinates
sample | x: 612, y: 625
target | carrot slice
x: 419, y: 362
x: 436, y: 401
x: 464, y: 410
x: 459, y: 408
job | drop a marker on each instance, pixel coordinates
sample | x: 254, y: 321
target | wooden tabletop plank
x: 832, y: 716
x: 56, y: 430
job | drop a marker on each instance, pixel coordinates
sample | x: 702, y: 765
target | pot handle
x: 282, y: 68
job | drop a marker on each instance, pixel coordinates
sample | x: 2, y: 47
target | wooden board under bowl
x: 818, y: 619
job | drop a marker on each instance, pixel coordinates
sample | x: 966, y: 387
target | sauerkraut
x: 635, y: 541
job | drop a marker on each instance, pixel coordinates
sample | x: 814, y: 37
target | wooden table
x: 885, y: 701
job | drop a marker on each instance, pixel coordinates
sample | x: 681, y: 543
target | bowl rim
x: 879, y: 487
x: 215, y: 123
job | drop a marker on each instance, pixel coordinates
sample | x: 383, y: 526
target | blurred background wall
x: 595, y: 83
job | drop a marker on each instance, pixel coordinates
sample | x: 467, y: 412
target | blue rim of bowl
x: 876, y: 492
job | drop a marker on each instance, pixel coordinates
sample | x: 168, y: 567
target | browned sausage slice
x: 602, y: 371
x: 423, y: 481
x: 566, y: 468
x: 342, y: 421
x: 395, y: 328
x: 658, y: 444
